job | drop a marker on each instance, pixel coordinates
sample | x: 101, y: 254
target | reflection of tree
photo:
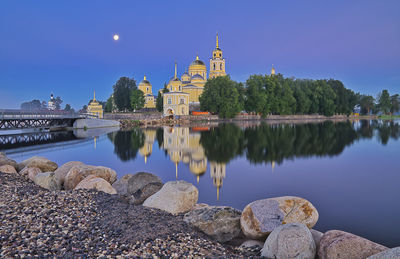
x: 268, y: 143
x: 127, y: 143
x: 223, y: 143
x: 160, y: 137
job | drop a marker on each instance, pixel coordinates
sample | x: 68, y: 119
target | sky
x: 67, y: 47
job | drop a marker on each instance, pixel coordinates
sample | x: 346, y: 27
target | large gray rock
x: 47, y: 180
x: 393, y: 253
x: 219, y: 222
x: 316, y: 236
x: 8, y: 169
x: 142, y: 185
x: 63, y: 170
x: 4, y: 160
x: 42, y: 163
x: 30, y: 172
x: 92, y: 182
x: 290, y: 241
x: 121, y: 185
x: 261, y: 217
x: 174, y: 197
x: 336, y: 244
x: 77, y: 173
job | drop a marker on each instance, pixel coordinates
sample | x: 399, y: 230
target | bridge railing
x: 39, y: 114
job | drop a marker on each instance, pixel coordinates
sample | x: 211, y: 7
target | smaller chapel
x: 95, y: 108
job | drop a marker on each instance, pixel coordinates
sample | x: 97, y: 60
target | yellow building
x: 176, y: 102
x: 146, y: 88
x: 95, y: 108
x: 193, y: 80
x: 217, y: 62
x: 218, y: 173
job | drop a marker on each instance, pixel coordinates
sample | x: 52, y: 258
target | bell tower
x: 217, y: 62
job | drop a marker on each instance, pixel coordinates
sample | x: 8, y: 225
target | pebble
x: 36, y: 222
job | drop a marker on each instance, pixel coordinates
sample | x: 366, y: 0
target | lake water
x: 350, y: 171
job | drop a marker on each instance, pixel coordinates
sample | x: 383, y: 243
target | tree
x: 256, y: 95
x: 395, y: 103
x: 109, y: 104
x: 32, y: 105
x: 367, y: 103
x: 67, y: 107
x: 384, y: 102
x: 160, y: 100
x: 122, y: 93
x: 220, y: 96
x: 84, y: 109
x: 137, y: 99
x: 57, y: 102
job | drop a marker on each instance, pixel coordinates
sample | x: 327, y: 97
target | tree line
x: 126, y: 96
x: 36, y: 104
x: 277, y: 95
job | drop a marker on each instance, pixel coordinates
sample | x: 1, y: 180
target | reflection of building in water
x: 147, y: 149
x: 184, y: 146
x: 218, y: 173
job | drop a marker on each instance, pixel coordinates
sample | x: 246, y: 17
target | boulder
x: 261, y: 217
x: 336, y: 244
x: 317, y: 237
x: 63, y: 170
x: 42, y: 163
x: 30, y: 172
x: 174, y: 197
x: 8, y: 169
x: 4, y: 160
x: 96, y: 183
x: 219, y: 222
x: 290, y: 241
x: 121, y: 185
x: 252, y: 243
x: 79, y: 172
x: 393, y: 253
x: 47, y: 180
x: 142, y: 185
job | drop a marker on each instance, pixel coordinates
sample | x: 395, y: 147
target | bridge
x: 25, y: 119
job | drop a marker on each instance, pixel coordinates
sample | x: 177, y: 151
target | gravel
x: 39, y: 223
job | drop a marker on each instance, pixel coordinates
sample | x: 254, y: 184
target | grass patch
x: 389, y: 117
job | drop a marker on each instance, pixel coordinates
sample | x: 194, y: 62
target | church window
x: 179, y: 88
x: 182, y: 101
x: 214, y: 55
x: 147, y: 89
x: 183, y: 110
x: 214, y: 66
x: 220, y: 54
x: 220, y: 66
x: 169, y: 101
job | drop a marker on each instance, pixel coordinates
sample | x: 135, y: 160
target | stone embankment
x: 129, y: 120
x: 79, y: 210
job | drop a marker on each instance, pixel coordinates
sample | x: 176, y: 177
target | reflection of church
x: 147, y: 149
x: 218, y: 173
x: 184, y: 146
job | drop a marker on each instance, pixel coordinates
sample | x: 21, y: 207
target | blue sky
x: 66, y: 47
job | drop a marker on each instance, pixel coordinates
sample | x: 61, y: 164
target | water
x: 349, y: 171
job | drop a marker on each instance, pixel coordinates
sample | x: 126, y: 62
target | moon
x: 116, y: 37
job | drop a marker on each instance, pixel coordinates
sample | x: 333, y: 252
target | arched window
x: 220, y: 54
x: 214, y: 66
x: 214, y: 55
x: 220, y: 66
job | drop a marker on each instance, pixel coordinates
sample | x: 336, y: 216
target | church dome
x: 197, y: 62
x: 197, y: 77
x: 185, y: 77
x: 174, y: 79
x: 144, y: 82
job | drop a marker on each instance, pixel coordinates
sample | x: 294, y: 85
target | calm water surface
x: 349, y: 171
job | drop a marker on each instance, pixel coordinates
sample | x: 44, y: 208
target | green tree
x: 220, y: 96
x: 137, y: 99
x: 367, y: 103
x: 109, y: 104
x: 160, y: 100
x: 67, y: 107
x: 395, y: 103
x: 122, y: 93
x: 256, y: 95
x: 58, y: 101
x: 384, y: 102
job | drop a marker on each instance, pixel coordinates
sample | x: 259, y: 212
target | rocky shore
x: 79, y: 210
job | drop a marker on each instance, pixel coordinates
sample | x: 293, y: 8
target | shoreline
x: 139, y: 216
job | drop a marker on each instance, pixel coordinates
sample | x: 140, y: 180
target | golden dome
x: 197, y: 62
x: 144, y: 82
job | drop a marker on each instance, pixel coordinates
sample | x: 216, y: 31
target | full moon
x: 116, y: 37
